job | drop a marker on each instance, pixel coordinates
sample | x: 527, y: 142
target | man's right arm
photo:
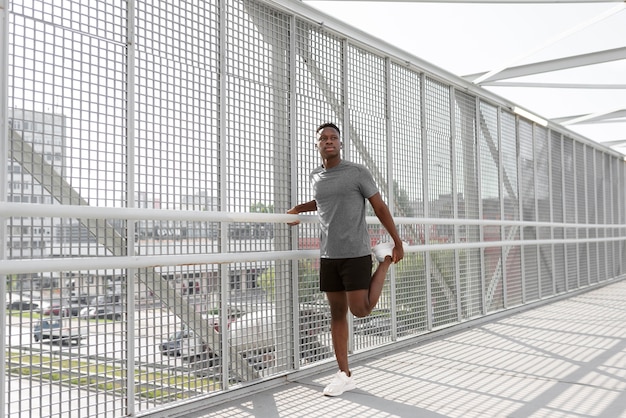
x: 302, y: 207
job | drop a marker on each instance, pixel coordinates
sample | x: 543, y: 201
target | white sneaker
x: 340, y: 383
x: 385, y: 249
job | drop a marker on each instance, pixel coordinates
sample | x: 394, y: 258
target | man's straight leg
x: 339, y: 328
x: 343, y: 379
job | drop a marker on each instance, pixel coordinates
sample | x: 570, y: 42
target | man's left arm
x: 382, y: 213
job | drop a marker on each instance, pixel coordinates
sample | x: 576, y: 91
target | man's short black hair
x: 327, y: 125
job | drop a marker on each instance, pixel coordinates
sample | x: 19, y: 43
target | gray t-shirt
x: 341, y: 193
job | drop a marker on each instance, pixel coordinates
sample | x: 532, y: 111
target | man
x: 340, y: 190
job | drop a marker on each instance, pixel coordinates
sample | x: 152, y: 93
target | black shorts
x: 345, y: 274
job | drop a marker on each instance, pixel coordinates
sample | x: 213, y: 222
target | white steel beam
x: 552, y: 41
x: 608, y: 116
x: 556, y: 85
x: 614, y: 142
x: 582, y: 60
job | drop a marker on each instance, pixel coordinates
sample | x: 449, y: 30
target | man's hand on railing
x: 293, y: 211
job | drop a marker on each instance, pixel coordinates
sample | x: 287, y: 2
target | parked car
x: 76, y: 304
x: 183, y: 344
x: 254, y: 336
x: 53, y: 330
x: 171, y: 346
x: 106, y: 300
x: 22, y: 305
x: 56, y: 310
x: 191, y: 346
x: 102, y: 312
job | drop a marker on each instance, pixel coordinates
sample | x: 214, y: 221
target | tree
x: 260, y: 207
x: 308, y: 282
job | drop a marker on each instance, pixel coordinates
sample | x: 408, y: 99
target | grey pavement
x: 562, y: 359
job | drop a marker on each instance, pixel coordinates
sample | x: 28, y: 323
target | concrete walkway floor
x: 563, y: 359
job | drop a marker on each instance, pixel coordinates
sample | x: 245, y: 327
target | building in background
x: 42, y: 137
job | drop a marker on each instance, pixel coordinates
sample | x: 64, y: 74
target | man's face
x: 329, y: 143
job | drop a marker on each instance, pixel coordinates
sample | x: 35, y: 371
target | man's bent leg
x: 362, y: 302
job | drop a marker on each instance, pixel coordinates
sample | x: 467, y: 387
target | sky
x: 469, y: 38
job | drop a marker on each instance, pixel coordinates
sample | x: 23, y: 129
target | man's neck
x: 331, y: 162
